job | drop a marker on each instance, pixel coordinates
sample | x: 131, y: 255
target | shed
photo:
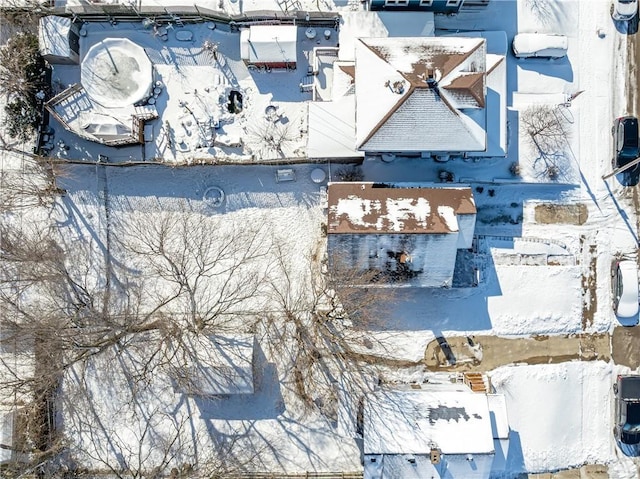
x: 269, y: 46
x: 59, y: 40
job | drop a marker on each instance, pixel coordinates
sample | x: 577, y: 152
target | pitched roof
x: 404, y: 84
x: 453, y: 419
x: 360, y: 208
x: 468, y: 90
x: 349, y: 70
x: 53, y: 36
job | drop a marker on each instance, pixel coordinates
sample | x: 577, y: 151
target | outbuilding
x: 269, y: 46
x: 59, y: 40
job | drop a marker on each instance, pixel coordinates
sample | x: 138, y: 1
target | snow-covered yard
x: 534, y: 276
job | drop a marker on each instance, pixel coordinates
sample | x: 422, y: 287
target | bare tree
x: 321, y: 322
x: 22, y: 15
x: 30, y: 185
x: 547, y: 131
x: 212, y: 267
x: 57, y: 315
x: 272, y: 137
x: 121, y: 419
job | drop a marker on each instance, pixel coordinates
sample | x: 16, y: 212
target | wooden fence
x: 301, y: 475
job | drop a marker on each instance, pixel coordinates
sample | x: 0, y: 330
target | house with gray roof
x: 427, y: 96
x: 434, y: 430
x: 403, y: 233
x: 421, y: 95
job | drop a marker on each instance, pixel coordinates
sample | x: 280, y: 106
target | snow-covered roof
x: 356, y: 207
x: 116, y: 73
x: 209, y: 365
x: 421, y: 94
x: 454, y: 420
x: 377, y: 24
x: 269, y: 44
x: 405, y: 466
x: 53, y: 37
x: 500, y: 422
x: 496, y: 87
x: 332, y: 128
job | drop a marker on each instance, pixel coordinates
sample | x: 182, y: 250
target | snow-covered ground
x: 193, y: 95
x: 560, y: 415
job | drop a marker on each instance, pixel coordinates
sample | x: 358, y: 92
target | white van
x: 539, y: 45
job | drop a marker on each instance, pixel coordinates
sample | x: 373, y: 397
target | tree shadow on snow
x: 266, y: 402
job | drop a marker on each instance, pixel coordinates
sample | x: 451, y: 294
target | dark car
x: 627, y: 391
x: 625, y: 131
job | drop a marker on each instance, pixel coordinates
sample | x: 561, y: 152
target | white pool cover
x: 116, y: 73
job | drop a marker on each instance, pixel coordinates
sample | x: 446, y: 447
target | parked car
x: 624, y: 10
x: 627, y: 409
x: 625, y: 131
x: 539, y: 45
x: 624, y: 290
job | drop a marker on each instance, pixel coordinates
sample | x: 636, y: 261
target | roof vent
x: 396, y: 86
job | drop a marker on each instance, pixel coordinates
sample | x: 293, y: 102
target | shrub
x: 23, y: 79
x: 350, y: 173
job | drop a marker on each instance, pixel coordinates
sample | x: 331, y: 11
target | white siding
x: 466, y: 226
x: 434, y: 255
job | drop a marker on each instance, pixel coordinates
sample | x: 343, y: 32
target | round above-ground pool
x: 116, y: 73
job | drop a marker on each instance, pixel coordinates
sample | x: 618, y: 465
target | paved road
x: 625, y: 343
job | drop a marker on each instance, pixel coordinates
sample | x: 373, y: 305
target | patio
x: 208, y: 104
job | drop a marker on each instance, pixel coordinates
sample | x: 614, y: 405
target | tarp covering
x: 116, y: 73
x: 53, y: 38
x: 104, y: 126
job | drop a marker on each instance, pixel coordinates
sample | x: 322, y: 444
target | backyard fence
x: 301, y: 475
x: 183, y: 14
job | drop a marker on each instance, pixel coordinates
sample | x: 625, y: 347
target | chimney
x: 432, y: 77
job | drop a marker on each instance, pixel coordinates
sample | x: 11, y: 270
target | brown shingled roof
x: 432, y: 59
x: 349, y: 70
x: 360, y: 208
x: 471, y: 84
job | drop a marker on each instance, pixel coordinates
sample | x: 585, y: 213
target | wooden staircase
x: 477, y: 382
